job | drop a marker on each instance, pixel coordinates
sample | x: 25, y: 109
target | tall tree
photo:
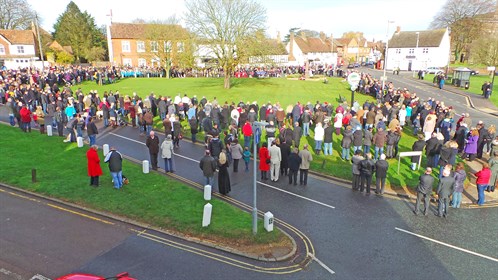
x: 224, y: 25
x: 15, y: 14
x: 461, y: 16
x: 78, y: 30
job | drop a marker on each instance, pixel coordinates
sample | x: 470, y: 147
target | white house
x: 415, y: 50
x: 302, y: 49
x: 18, y: 49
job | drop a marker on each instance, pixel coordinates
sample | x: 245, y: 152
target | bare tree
x: 15, y: 14
x: 224, y: 25
x: 461, y: 16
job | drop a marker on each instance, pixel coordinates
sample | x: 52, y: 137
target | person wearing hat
x: 424, y: 191
x: 167, y: 153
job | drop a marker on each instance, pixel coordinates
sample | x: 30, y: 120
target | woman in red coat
x: 264, y: 161
x: 94, y: 170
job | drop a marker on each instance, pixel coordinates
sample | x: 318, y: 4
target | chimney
x: 323, y: 37
x: 278, y: 37
x: 303, y: 35
x: 398, y: 29
x: 291, y: 47
x: 331, y: 39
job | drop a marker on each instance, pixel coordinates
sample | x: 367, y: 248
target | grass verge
x: 150, y: 198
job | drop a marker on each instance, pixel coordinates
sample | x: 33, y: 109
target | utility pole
x: 39, y: 42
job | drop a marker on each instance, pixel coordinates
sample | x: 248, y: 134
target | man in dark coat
x: 285, y: 150
x: 367, y: 167
x: 424, y: 190
x: 152, y: 143
x: 431, y: 150
x: 208, y: 166
x: 296, y: 134
x: 294, y: 163
x: 444, y: 190
x: 356, y: 160
x: 418, y: 146
x: 381, y: 167
x: 482, y: 140
x: 115, y: 160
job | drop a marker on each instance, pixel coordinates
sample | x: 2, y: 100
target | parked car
x: 84, y: 276
x: 433, y: 70
x: 350, y: 65
x: 356, y: 65
x: 474, y: 72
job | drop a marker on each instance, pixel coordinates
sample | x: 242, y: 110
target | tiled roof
x: 312, y: 45
x: 408, y: 39
x: 344, y: 41
x: 137, y: 30
x: 18, y: 37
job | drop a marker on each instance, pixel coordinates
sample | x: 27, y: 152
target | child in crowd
x: 416, y: 125
x: 247, y: 157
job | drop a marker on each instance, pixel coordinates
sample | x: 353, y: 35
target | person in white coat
x: 319, y: 134
x: 275, y: 158
x: 167, y: 153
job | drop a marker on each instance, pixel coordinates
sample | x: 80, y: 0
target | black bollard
x: 33, y: 175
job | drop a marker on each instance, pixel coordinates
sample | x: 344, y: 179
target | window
x: 398, y: 51
x: 127, y: 62
x: 142, y: 62
x: 20, y: 49
x: 411, y: 51
x: 153, y: 46
x: 140, y: 46
x: 125, y: 46
x: 167, y: 46
x: 2, y: 49
x: 179, y: 46
x: 425, y: 50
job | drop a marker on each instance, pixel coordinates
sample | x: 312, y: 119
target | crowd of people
x: 369, y: 133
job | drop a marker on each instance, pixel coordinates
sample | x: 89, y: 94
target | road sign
x: 354, y: 87
x: 491, y: 68
x: 354, y: 78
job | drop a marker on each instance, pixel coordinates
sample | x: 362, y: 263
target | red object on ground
x: 84, y: 276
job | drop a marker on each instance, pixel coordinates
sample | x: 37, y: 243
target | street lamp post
x: 257, y: 127
x: 416, y: 51
x: 385, y: 55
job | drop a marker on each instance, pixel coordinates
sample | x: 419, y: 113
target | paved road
x: 355, y: 236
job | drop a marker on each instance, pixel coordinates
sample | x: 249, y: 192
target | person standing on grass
x: 493, y: 165
x: 328, y: 138
x: 115, y: 160
x: 25, y: 118
x: 424, y: 191
x: 381, y: 167
x: 319, y: 136
x: 167, y: 153
x: 482, y: 182
x: 208, y: 166
x: 459, y: 176
x: 93, y: 165
x: 152, y: 143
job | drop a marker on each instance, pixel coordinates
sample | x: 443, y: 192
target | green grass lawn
x: 475, y: 85
x: 273, y: 90
x: 150, y: 198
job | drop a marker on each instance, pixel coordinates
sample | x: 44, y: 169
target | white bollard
x: 269, y: 221
x: 105, y: 149
x: 206, y: 217
x: 207, y: 192
x: 145, y: 166
x: 80, y: 142
x: 49, y: 130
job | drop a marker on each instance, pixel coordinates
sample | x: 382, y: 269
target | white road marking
x: 321, y: 263
x: 261, y: 183
x: 10, y: 273
x: 124, y: 137
x: 39, y: 277
x: 448, y: 245
x: 120, y: 136
x: 296, y: 195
